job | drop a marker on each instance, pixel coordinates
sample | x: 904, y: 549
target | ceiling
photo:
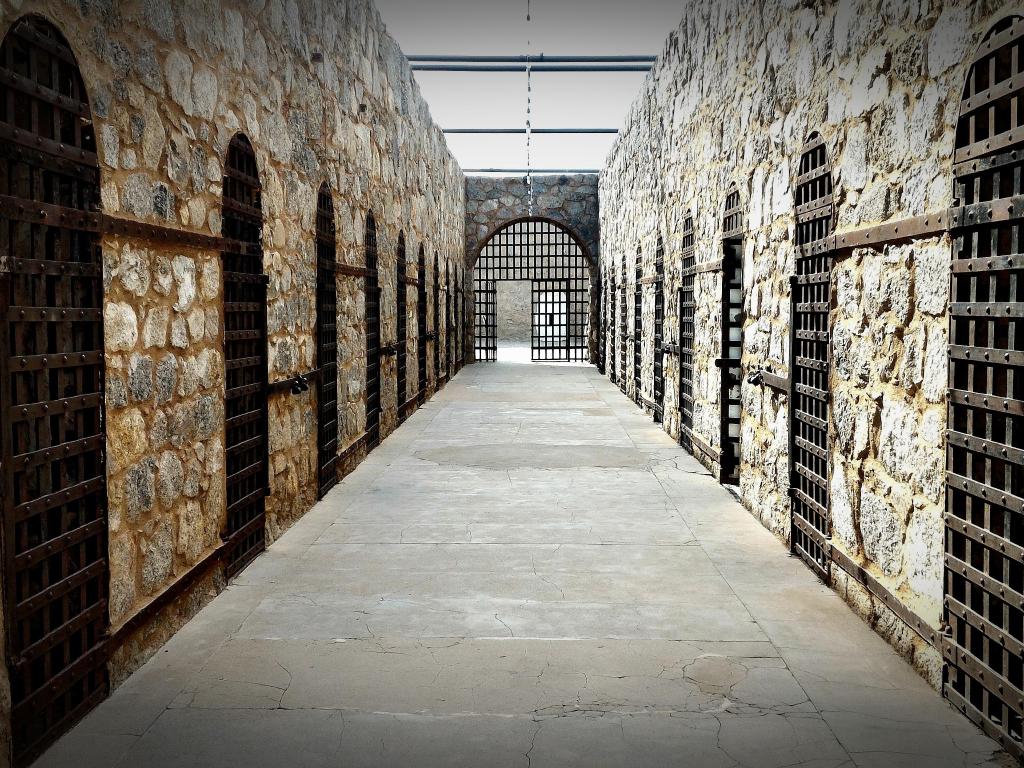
x: 559, y: 100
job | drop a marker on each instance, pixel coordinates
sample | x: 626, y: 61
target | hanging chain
x: 529, y: 110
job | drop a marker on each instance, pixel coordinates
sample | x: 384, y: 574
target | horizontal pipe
x: 532, y: 130
x: 533, y: 171
x: 532, y: 68
x: 538, y: 58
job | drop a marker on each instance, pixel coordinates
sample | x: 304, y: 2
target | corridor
x: 527, y: 573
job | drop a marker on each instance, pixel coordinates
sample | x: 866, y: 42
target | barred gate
x: 402, y: 324
x: 622, y: 327
x: 421, y: 323
x: 684, y: 312
x: 550, y: 320
x: 984, y: 523
x: 326, y: 343
x: 532, y: 250
x: 51, y: 390
x: 437, y: 321
x: 809, y: 345
x: 732, y: 337
x: 659, y: 331
x: 372, y: 314
x: 245, y: 360
x: 638, y: 324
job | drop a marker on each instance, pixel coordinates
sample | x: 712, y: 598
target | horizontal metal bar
x: 533, y: 171
x: 532, y: 130
x: 540, y: 57
x: 531, y: 67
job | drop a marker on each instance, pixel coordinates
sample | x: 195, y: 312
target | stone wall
x: 734, y: 95
x: 324, y: 94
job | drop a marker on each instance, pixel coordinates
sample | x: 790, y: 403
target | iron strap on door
x: 245, y: 361
x: 984, y: 523
x: 326, y: 342
x: 51, y: 390
x: 685, y: 311
x: 809, y: 344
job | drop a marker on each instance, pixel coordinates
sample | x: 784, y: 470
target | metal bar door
x: 809, y: 395
x: 984, y: 523
x: 550, y: 325
x: 51, y: 391
x: 684, y: 312
x: 326, y: 343
x: 245, y: 360
x: 659, y: 332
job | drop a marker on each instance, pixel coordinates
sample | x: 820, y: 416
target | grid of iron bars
x: 984, y: 523
x: 54, y: 494
x: 732, y: 337
x: 326, y: 342
x: 549, y: 310
x: 638, y: 323
x: 535, y: 250
x: 614, y: 335
x: 401, y: 319
x: 622, y: 326
x: 809, y: 340
x: 449, y: 330
x: 245, y: 359
x: 686, y: 332
x: 659, y: 331
x: 372, y: 314
x: 437, y: 321
x: 421, y: 323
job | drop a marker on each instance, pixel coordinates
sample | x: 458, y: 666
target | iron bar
x: 542, y: 58
x: 585, y: 68
x: 521, y: 131
x: 534, y: 171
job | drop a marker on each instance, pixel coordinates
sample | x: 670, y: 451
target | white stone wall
x: 738, y: 89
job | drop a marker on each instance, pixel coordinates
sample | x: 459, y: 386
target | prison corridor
x: 527, y: 573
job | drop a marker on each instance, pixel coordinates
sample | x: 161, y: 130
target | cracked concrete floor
x: 528, y: 573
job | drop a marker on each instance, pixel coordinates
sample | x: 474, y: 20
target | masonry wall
x: 324, y: 94
x: 734, y: 95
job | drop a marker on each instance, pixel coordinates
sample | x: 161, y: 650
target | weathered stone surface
x: 120, y: 327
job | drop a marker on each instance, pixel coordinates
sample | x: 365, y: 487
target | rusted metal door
x: 372, y: 303
x: 984, y: 531
x: 732, y: 338
x: 486, y: 294
x: 684, y: 312
x: 659, y: 331
x: 437, y: 321
x: 51, y: 390
x: 326, y: 342
x: 245, y: 359
x: 421, y: 323
x: 402, y: 322
x: 809, y: 368
x: 638, y: 324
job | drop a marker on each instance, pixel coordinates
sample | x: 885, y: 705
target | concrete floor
x: 528, y: 573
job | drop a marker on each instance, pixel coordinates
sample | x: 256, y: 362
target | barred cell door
x: 622, y: 328
x: 245, y: 359
x: 732, y: 338
x: 638, y: 326
x: 437, y: 322
x: 326, y: 342
x: 402, y: 323
x: 486, y: 320
x: 603, y: 337
x: 659, y: 332
x: 371, y: 295
x: 421, y: 323
x: 550, y: 321
x: 809, y: 370
x: 984, y: 532
x: 684, y: 311
x: 51, y: 389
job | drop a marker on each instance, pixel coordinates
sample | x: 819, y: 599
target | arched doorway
x: 532, y: 287
x: 51, y: 385
x: 984, y: 534
x: 245, y: 359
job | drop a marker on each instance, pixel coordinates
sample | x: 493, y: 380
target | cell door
x: 51, y: 389
x: 486, y: 320
x: 810, y: 515
x: 659, y: 332
x: 550, y: 320
x: 326, y: 343
x: 984, y: 523
x: 245, y: 360
x: 684, y: 311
